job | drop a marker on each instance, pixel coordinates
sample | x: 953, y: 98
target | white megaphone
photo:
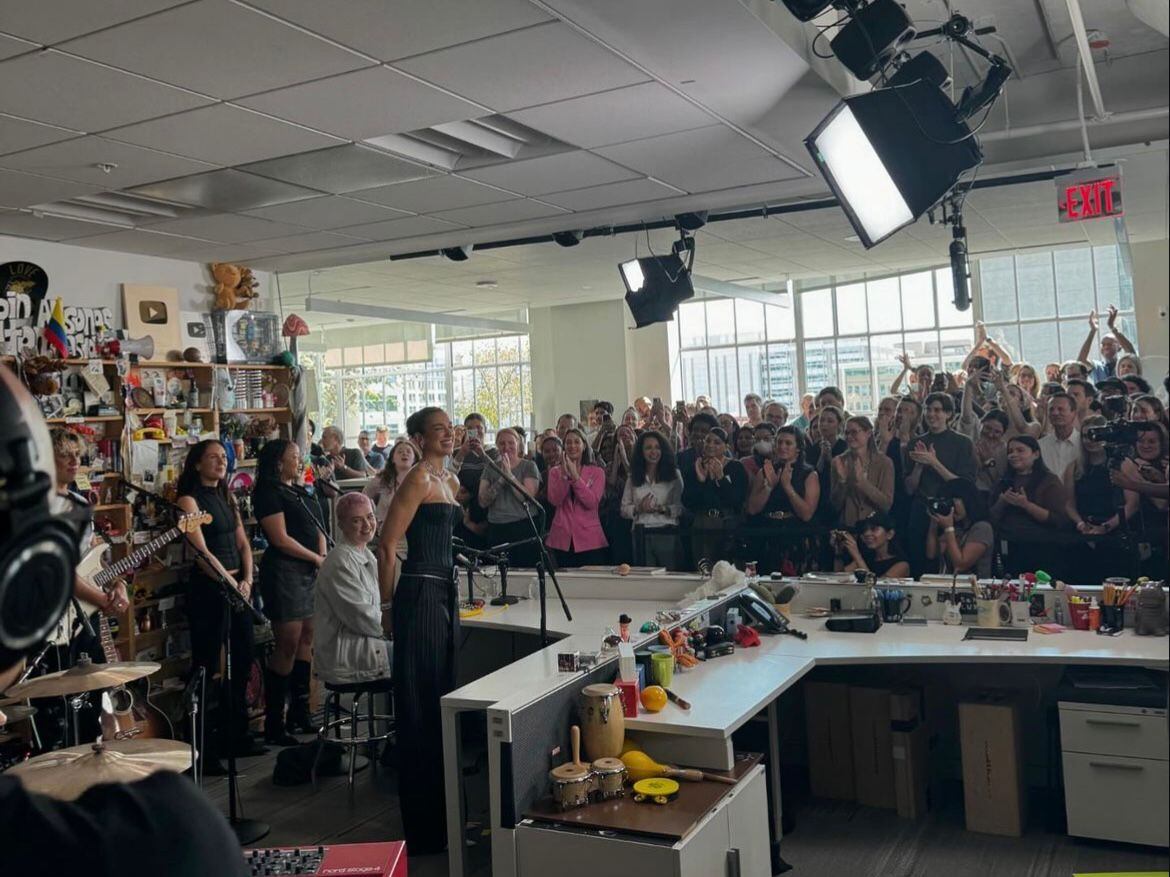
x: 142, y: 347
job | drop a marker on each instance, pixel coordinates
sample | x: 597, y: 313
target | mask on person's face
x: 762, y: 449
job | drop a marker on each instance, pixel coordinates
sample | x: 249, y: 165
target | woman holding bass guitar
x: 203, y: 487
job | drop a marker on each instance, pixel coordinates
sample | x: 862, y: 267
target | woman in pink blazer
x: 575, y: 489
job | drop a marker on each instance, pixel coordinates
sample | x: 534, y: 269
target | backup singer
x: 296, y: 549
x: 203, y: 487
x: 424, y: 621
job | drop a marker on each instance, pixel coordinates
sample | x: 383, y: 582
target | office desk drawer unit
x: 730, y: 841
x: 1116, y: 772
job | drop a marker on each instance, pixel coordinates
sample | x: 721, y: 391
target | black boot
x: 300, y: 717
x: 275, y: 695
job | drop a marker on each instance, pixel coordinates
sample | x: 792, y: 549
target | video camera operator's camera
x: 1121, y: 432
x: 940, y: 505
x: 1113, y: 408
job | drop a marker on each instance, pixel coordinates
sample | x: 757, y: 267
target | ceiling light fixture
x: 692, y: 221
x: 568, y: 238
x: 458, y: 254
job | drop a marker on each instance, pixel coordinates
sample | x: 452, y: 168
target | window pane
x: 817, y: 307
x: 884, y: 350
x: 524, y: 355
x: 1041, y: 343
x: 487, y: 399
x: 956, y: 344
x: 694, y: 370
x: 1072, y: 336
x: 780, y: 371
x: 461, y: 353
x: 676, y: 385
x: 724, y: 382
x: 997, y: 288
x: 463, y: 390
x: 781, y: 320
x: 511, y: 396
x: 692, y: 325
x: 1113, y: 285
x: 851, y: 310
x: 720, y: 322
x: 1037, y: 289
x: 885, y: 307
x: 751, y: 374
x: 855, y: 376
x: 485, y: 351
x: 917, y: 300
x: 1008, y: 337
x: 923, y: 348
x: 508, y: 349
x: 820, y: 365
x: 1074, y: 281
x: 944, y: 289
x: 526, y: 397
x: 749, y: 321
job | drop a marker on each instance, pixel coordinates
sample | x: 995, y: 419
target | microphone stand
x: 246, y: 830
x: 302, y: 496
x: 544, y: 562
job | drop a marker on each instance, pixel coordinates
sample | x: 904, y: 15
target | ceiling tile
x: 612, y: 195
x: 552, y: 173
x: 414, y: 27
x: 316, y: 240
x: 216, y: 47
x: 10, y: 47
x: 17, y: 134
x: 215, y: 134
x: 234, y: 253
x: 59, y: 90
x: 24, y: 190
x: 365, y: 104
x: 433, y: 194
x: 47, y: 228
x: 406, y: 227
x: 702, y: 160
x: 50, y: 21
x: 536, y: 65
x: 340, y: 169
x: 79, y: 159
x: 226, y: 228
x: 331, y: 211
x: 226, y: 191
x: 494, y: 214
x: 615, y: 116
x: 144, y: 243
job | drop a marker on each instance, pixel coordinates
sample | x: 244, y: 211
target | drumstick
x: 694, y: 775
x: 575, y: 739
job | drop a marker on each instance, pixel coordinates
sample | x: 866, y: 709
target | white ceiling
x: 270, y: 127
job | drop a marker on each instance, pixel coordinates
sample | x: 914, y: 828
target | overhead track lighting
x: 655, y: 285
x: 457, y: 254
x: 692, y: 221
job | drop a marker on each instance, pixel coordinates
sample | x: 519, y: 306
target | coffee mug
x: 895, y: 603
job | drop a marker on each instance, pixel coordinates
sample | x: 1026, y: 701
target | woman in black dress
x: 203, y: 488
x: 424, y: 620
x: 288, y: 572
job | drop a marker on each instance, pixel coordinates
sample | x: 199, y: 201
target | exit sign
x: 1091, y: 193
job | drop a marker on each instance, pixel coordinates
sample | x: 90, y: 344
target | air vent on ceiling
x: 120, y: 209
x: 473, y: 143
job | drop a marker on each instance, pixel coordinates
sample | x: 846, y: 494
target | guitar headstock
x: 191, y: 522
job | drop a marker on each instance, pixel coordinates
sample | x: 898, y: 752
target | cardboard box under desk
x: 873, y: 757
x: 910, y: 750
x: 830, y: 740
x: 993, y: 787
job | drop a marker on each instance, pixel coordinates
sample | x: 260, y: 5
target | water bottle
x: 732, y: 621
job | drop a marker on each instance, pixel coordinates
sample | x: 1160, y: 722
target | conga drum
x: 603, y: 724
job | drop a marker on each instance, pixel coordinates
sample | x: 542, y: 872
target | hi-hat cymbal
x: 85, y: 676
x: 17, y: 712
x: 67, y: 773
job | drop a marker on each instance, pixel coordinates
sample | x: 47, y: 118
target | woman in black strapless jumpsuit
x: 425, y: 621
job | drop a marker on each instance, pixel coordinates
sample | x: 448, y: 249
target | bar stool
x: 349, y: 718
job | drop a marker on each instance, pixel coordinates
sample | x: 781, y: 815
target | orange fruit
x: 653, y: 698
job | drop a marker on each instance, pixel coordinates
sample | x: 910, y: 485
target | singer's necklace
x: 437, y: 472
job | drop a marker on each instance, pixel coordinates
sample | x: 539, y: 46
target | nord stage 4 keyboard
x: 333, y: 860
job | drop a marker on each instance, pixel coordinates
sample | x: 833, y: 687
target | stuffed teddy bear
x: 246, y: 288
x: 227, y: 279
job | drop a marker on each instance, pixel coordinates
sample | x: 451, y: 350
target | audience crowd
x: 998, y: 468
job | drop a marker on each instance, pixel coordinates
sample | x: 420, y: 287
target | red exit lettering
x: 1090, y: 200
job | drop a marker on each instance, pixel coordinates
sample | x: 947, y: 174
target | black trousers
x: 205, y: 612
x: 515, y: 531
x: 425, y: 623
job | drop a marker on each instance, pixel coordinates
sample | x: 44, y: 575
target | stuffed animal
x: 246, y: 288
x: 227, y: 278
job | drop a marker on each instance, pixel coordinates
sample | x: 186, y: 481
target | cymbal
x: 84, y: 676
x: 67, y: 773
x: 17, y: 712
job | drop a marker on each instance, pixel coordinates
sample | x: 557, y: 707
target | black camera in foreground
x: 940, y: 505
x: 1122, y: 432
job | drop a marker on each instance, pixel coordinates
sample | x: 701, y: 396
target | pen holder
x: 1021, y: 613
x: 987, y: 613
x: 1112, y: 619
x: 1079, y: 615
